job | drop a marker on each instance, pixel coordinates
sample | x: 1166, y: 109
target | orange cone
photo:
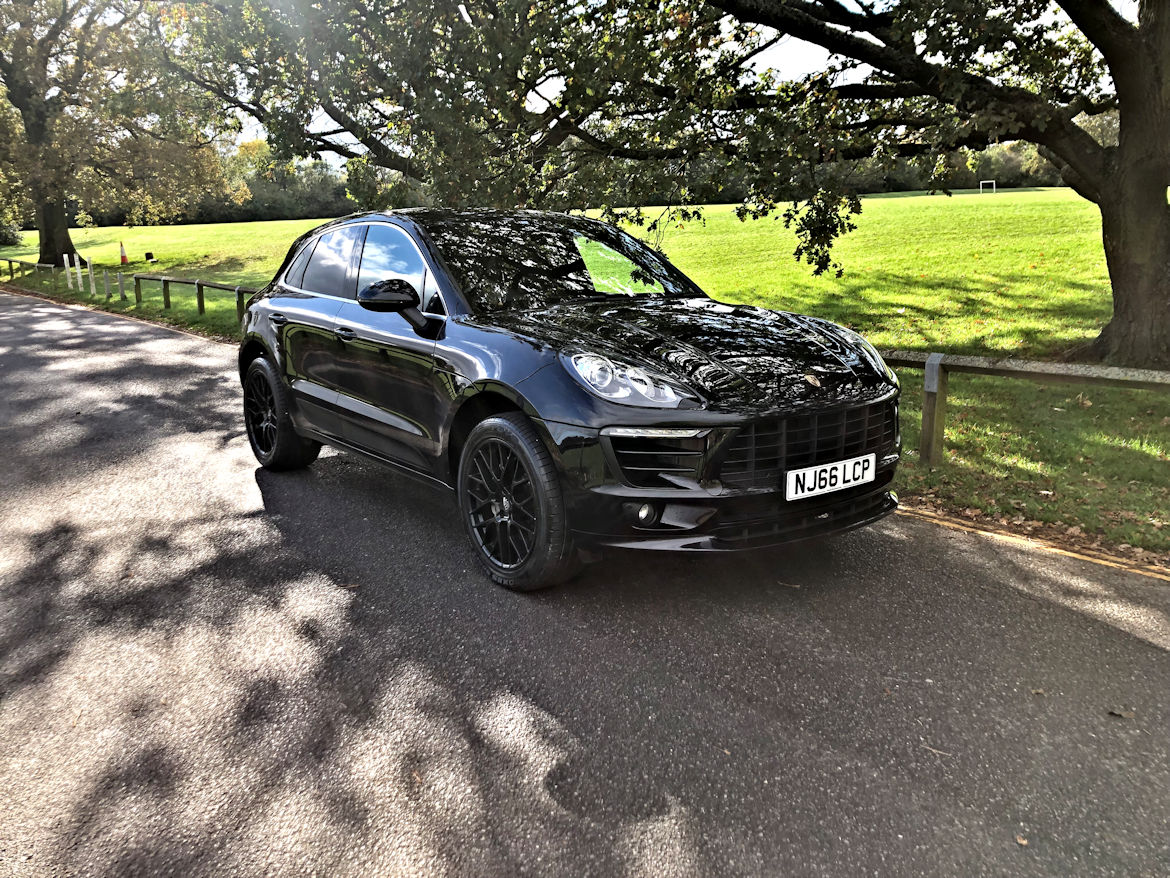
x: 125, y: 261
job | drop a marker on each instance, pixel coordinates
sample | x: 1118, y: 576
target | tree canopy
x: 538, y: 102
x: 96, y: 117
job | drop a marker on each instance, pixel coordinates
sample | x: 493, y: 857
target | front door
x: 387, y: 379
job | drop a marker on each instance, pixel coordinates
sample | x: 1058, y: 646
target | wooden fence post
x: 199, y: 295
x: 55, y: 270
x: 166, y: 293
x: 92, y: 284
x: 106, y: 280
x: 137, y: 290
x: 121, y: 288
x: 11, y: 272
x: 934, y: 411
x: 239, y: 305
x: 77, y: 265
x: 68, y: 273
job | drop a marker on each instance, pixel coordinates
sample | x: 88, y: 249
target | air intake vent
x: 645, y: 461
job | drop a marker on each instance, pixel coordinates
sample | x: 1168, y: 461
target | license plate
x: 829, y: 477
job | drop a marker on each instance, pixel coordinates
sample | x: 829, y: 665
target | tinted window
x: 295, y: 275
x: 389, y: 253
x: 329, y: 263
x: 521, y: 260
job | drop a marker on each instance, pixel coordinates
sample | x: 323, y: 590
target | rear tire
x: 512, y: 506
x: 274, y: 440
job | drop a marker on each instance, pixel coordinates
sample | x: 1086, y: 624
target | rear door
x: 387, y: 383
x: 307, y: 300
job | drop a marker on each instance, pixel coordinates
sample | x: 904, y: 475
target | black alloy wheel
x: 271, y: 434
x: 260, y: 413
x: 510, y: 497
x: 503, y: 504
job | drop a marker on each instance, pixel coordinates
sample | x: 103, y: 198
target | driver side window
x: 389, y: 253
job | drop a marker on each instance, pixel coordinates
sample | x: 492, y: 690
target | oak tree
x: 98, y: 119
x: 589, y: 103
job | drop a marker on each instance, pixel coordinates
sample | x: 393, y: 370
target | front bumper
x: 723, y: 491
x: 727, y: 522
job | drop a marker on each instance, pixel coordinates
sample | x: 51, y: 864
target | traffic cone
x: 125, y: 261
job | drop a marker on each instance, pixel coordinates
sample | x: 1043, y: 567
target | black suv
x: 569, y: 384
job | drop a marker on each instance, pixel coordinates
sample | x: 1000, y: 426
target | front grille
x: 760, y: 453
x: 645, y: 461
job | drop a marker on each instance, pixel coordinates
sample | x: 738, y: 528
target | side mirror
x: 395, y: 295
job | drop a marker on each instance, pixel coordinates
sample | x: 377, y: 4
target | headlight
x: 626, y: 384
x: 869, y: 352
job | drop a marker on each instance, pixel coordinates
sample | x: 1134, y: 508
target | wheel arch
x: 252, y: 348
x: 476, y: 407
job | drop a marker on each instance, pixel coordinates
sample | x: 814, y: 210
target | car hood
x: 733, y: 355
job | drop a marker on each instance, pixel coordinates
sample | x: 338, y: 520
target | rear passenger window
x: 329, y: 265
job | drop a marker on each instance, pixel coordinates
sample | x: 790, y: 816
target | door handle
x: 345, y: 333
x: 277, y: 319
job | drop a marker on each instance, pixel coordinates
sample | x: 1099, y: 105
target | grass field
x: 1019, y: 273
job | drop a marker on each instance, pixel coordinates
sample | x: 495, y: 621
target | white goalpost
x: 983, y: 183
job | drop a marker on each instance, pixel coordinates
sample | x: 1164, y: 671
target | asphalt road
x: 206, y: 669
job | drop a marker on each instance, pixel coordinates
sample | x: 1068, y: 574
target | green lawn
x: 1019, y: 273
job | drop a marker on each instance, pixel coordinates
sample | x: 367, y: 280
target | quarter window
x: 329, y: 265
x: 295, y: 276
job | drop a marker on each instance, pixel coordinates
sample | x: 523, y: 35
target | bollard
x: 55, y: 270
x: 166, y: 293
x: 77, y: 265
x: 121, y: 288
x: 239, y: 305
x: 92, y: 285
x: 199, y: 295
x: 934, y: 410
x: 68, y: 273
x: 106, y: 281
x: 137, y: 290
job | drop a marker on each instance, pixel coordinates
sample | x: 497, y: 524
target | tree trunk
x: 1137, y: 250
x: 1135, y: 215
x: 54, y: 229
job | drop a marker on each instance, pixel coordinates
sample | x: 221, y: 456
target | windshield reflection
x: 521, y: 260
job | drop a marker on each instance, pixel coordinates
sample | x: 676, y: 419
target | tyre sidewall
x: 290, y: 451
x: 550, y: 543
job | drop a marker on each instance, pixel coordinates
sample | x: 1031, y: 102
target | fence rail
x: 241, y: 293
x: 936, y: 368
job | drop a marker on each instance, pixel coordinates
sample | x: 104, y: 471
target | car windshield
x: 524, y: 261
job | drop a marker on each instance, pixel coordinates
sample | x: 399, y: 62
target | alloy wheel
x: 502, y: 504
x: 260, y: 413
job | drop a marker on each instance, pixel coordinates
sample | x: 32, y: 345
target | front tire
x: 512, y: 506
x: 274, y: 441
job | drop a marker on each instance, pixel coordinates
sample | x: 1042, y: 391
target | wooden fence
x: 66, y: 276
x: 936, y: 367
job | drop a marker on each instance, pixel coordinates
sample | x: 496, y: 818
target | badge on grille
x: 812, y: 379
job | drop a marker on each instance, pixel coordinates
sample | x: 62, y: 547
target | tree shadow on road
x: 212, y: 669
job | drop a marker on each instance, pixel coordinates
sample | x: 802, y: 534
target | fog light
x: 647, y: 514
